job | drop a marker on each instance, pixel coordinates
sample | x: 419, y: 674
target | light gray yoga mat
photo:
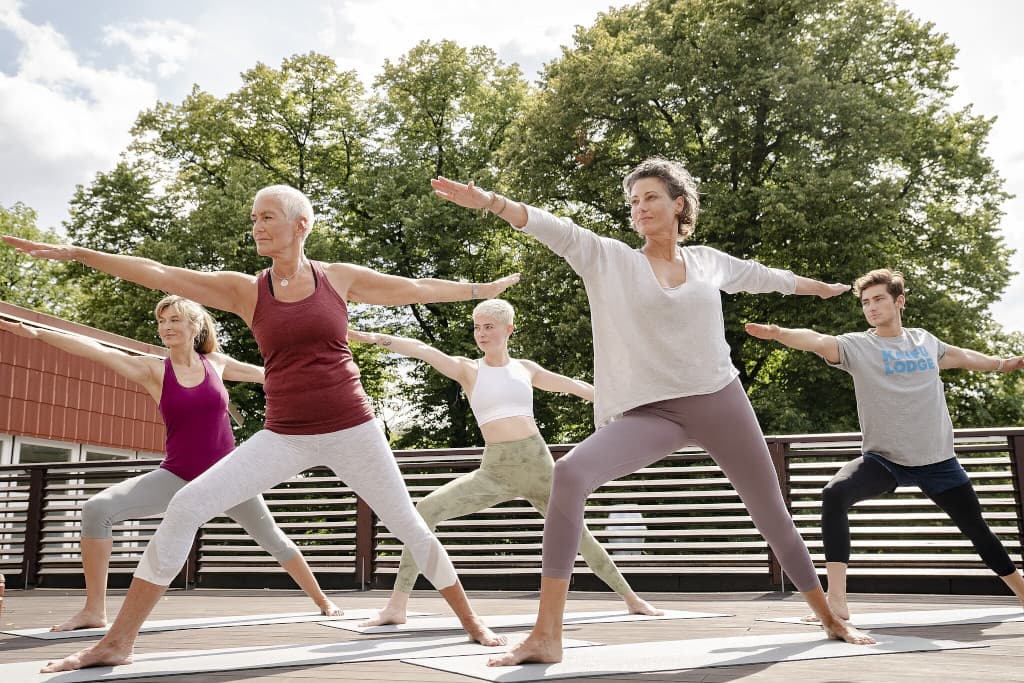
x: 204, y: 622
x: 259, y: 657
x: 515, y: 621
x: 935, y: 617
x: 683, y: 654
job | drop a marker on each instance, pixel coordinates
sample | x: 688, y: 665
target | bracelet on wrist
x: 504, y: 205
x: 475, y: 290
x: 1002, y: 364
x: 486, y: 208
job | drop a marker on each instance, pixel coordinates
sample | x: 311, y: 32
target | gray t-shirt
x: 900, y: 400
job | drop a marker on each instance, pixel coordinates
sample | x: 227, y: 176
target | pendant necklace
x: 284, y: 280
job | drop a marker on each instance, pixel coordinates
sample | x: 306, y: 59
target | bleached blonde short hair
x: 499, y: 309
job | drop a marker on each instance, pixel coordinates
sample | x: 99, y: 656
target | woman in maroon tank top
x: 316, y: 409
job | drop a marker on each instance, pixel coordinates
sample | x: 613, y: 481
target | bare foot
x: 479, y: 632
x: 329, y: 609
x: 838, y: 607
x: 97, y: 655
x: 82, y: 620
x: 388, y: 615
x: 637, y: 605
x: 840, y: 630
x: 533, y: 649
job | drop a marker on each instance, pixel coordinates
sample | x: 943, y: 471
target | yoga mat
x: 204, y: 622
x: 516, y: 621
x: 258, y: 657
x: 674, y: 655
x: 935, y: 617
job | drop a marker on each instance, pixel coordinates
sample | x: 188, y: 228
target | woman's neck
x: 497, y: 358
x: 663, y: 248
x: 183, y: 355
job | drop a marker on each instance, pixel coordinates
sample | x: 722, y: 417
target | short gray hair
x: 293, y: 202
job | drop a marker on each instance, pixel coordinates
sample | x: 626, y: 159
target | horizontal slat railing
x: 678, y: 517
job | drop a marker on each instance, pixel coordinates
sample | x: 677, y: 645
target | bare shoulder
x: 152, y: 366
x: 342, y: 275
x: 218, y: 359
x: 531, y: 366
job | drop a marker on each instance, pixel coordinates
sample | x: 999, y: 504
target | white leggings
x: 359, y: 456
x: 149, y: 494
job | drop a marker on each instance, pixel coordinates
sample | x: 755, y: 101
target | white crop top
x: 505, y: 391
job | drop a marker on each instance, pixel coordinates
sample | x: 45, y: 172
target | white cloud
x: 61, y: 118
x: 168, y: 43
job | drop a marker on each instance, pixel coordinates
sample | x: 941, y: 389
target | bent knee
x: 571, y: 478
x: 836, y: 495
x: 97, y: 517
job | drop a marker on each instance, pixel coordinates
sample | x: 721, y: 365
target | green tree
x: 439, y: 110
x: 184, y: 192
x: 823, y: 142
x: 28, y: 282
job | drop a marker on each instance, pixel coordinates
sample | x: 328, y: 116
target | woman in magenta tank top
x: 193, y: 402
x: 317, y: 412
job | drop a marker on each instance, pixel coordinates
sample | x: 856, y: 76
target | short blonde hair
x: 206, y: 333
x: 499, y: 309
x: 892, y: 279
x: 679, y: 183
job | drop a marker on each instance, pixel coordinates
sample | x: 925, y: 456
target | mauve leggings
x: 724, y: 424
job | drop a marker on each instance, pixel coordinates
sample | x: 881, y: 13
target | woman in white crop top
x: 516, y: 462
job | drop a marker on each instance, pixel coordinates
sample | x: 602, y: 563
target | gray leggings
x: 149, y: 494
x: 508, y: 470
x: 724, y: 424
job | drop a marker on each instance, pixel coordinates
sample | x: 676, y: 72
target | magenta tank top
x: 311, y: 382
x: 198, y: 427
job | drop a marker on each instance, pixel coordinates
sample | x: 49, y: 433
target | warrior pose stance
x: 317, y: 411
x: 662, y: 374
x: 193, y: 402
x: 907, y: 431
x: 516, y: 461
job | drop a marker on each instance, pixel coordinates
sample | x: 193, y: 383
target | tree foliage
x: 23, y: 281
x: 819, y: 131
x: 822, y: 141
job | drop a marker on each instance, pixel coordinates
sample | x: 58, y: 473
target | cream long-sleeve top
x: 653, y: 343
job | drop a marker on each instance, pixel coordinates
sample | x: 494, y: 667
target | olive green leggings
x: 509, y: 470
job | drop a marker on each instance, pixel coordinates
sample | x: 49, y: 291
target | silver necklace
x: 284, y: 280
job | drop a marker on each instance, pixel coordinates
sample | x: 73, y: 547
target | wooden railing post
x: 777, y: 449
x: 34, y: 525
x: 1016, y: 448
x: 366, y: 543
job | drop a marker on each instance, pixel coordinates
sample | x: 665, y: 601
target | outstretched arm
x: 470, y: 196
x: 453, y: 367
x: 551, y: 381
x: 805, y: 285
x: 967, y: 359
x: 224, y: 290
x: 824, y: 345
x: 237, y: 371
x: 370, y: 287
x: 138, y: 369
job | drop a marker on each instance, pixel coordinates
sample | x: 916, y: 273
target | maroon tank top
x: 312, y: 384
x: 198, y: 427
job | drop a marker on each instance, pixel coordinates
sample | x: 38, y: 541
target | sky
x: 74, y: 74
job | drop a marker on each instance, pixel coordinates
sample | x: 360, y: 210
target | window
x: 28, y: 450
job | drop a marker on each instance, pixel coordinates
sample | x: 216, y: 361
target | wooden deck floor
x: 1002, y: 661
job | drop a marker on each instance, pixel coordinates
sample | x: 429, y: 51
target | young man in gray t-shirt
x: 896, y: 380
